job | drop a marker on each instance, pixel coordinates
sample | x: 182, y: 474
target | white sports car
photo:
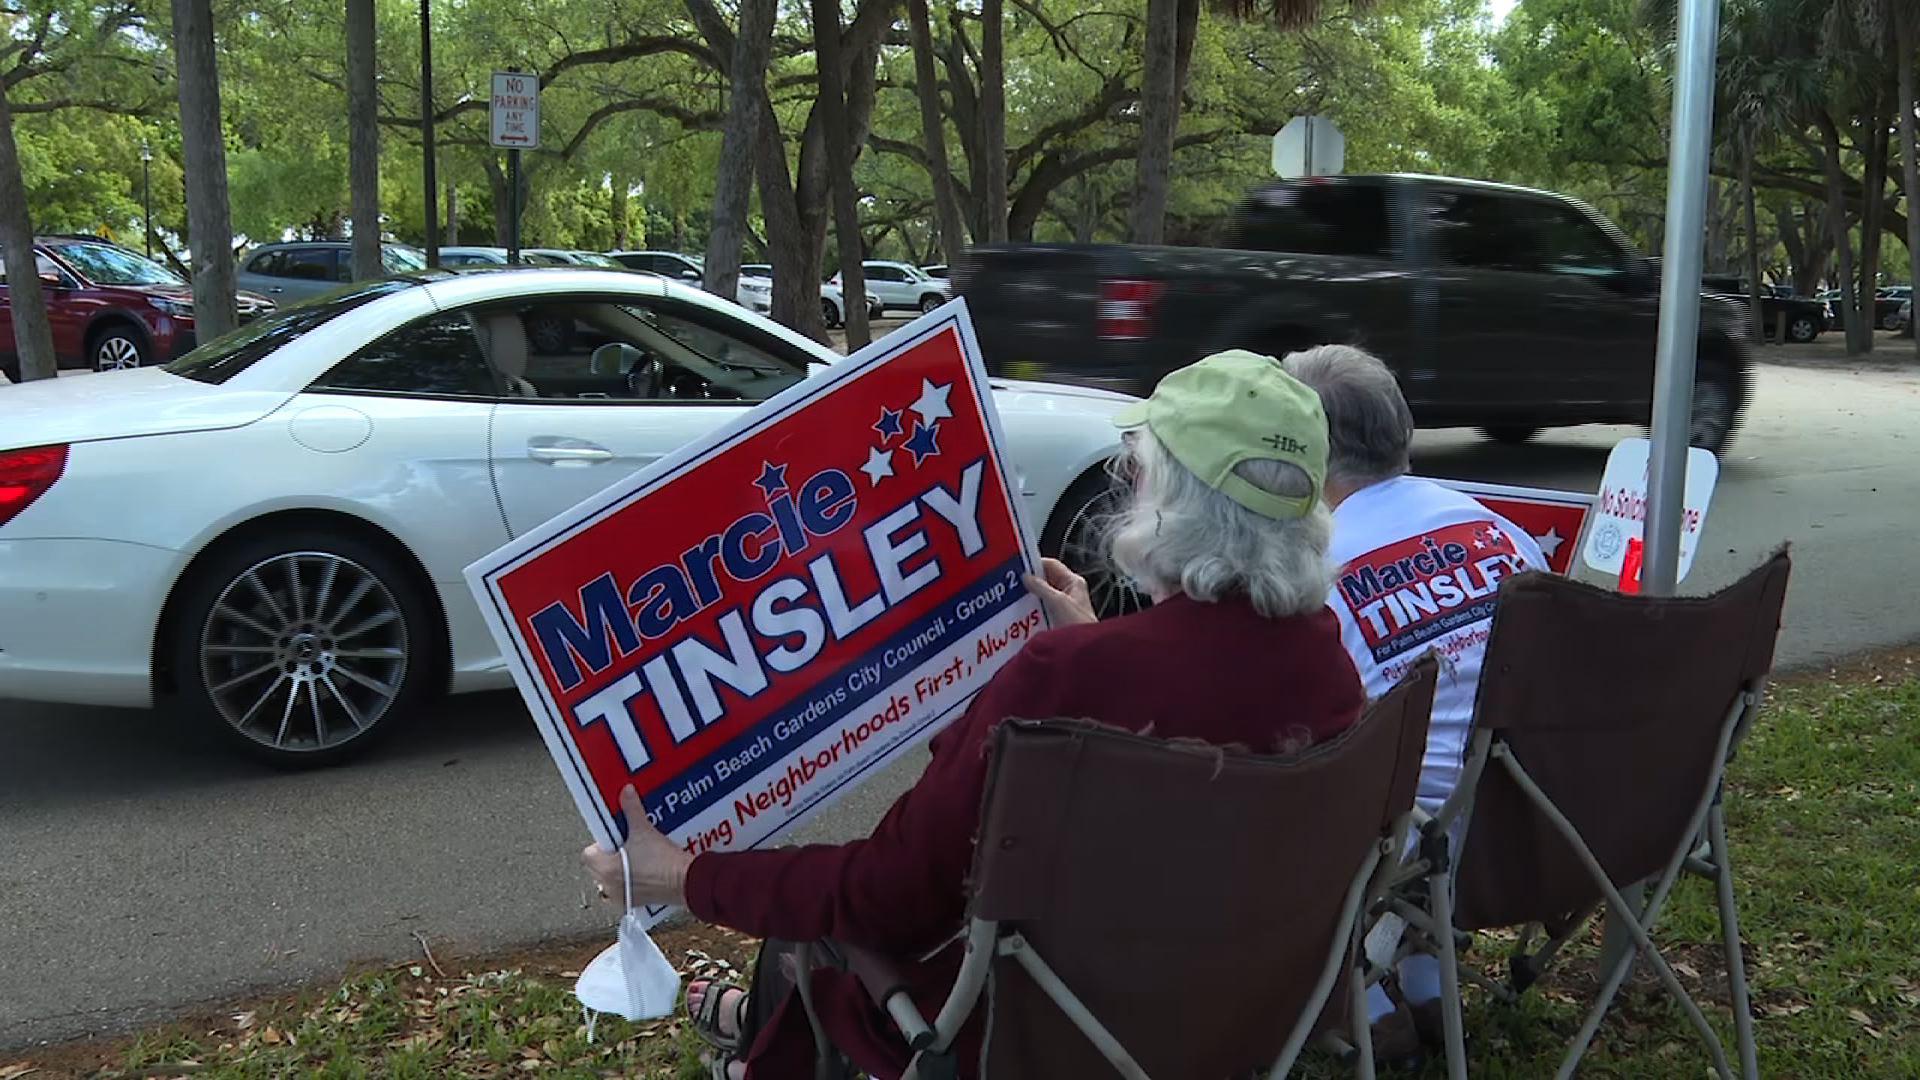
x: 270, y: 532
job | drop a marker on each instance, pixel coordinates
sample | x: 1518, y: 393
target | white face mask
x: 631, y: 978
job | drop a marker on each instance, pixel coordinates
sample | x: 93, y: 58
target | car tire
x: 1719, y: 399
x: 830, y: 314
x: 930, y: 302
x: 1802, y: 328
x: 1075, y: 535
x: 303, y: 648
x: 117, y: 346
x: 1511, y: 434
x: 1891, y: 321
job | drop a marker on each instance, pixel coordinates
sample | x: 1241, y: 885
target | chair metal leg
x: 1440, y: 889
x: 1362, y: 1029
x: 1043, y: 976
x: 1730, y: 930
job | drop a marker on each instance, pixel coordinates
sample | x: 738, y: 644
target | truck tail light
x: 1127, y: 308
x: 25, y: 475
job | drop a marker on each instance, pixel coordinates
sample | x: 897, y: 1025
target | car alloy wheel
x: 304, y: 652
x: 930, y: 302
x: 1802, y: 330
x: 1891, y: 322
x: 548, y: 335
x: 1076, y: 537
x: 115, y: 351
x: 830, y: 314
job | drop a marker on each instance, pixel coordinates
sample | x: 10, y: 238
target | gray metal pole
x: 1680, y: 291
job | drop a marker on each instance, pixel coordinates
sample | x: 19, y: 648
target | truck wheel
x: 302, y: 648
x: 1074, y: 536
x: 1719, y: 396
x: 1511, y: 434
x: 1802, y: 329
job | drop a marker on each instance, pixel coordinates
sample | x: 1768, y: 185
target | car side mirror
x: 690, y: 275
x: 50, y: 279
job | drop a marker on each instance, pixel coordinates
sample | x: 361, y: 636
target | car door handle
x: 558, y: 450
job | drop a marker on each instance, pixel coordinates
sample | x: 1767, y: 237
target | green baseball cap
x: 1237, y: 406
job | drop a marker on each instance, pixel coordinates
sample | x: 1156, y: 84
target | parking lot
x: 148, y: 868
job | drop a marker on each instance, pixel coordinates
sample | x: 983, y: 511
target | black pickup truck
x: 1499, y: 307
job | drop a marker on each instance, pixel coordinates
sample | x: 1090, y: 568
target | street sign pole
x: 1680, y: 291
x: 428, y: 182
x: 513, y: 207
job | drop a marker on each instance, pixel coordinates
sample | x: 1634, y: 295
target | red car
x: 110, y: 308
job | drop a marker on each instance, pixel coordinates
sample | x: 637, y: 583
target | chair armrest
x: 885, y: 984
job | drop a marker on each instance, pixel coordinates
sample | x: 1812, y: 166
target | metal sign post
x: 515, y: 125
x: 1680, y: 291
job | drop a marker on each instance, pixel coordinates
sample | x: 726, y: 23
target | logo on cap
x: 1285, y: 444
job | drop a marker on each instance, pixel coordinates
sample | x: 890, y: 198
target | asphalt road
x: 143, y: 869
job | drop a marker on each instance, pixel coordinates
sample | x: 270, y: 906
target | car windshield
x: 226, y: 356
x: 402, y: 260
x: 105, y: 265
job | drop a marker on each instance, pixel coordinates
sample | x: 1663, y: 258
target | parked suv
x: 110, y: 307
x: 900, y: 286
x: 295, y: 271
x: 1498, y: 307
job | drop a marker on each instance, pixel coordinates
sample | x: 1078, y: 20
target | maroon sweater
x: 1218, y: 672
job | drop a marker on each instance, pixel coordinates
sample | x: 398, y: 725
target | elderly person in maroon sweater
x: 1226, y: 532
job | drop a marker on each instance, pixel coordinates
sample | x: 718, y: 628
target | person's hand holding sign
x: 1063, y: 593
x: 657, y: 864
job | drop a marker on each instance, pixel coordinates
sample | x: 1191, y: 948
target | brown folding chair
x: 1601, y: 735
x: 1167, y: 908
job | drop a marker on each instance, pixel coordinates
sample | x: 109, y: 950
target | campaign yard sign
x: 749, y: 626
x: 1553, y: 518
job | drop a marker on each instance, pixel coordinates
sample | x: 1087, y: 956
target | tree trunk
x: 32, y: 333
x: 733, y: 184
x: 1874, y: 186
x: 453, y: 213
x: 946, y: 205
x: 204, y: 161
x: 993, y: 118
x: 1837, y: 218
x: 1159, y: 119
x: 832, y: 104
x: 618, y: 212
x: 796, y: 286
x: 363, y: 140
x: 502, y: 207
x: 1754, y: 318
x: 1907, y: 43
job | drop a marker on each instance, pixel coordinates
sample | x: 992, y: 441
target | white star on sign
x: 932, y: 405
x: 1493, y: 534
x: 879, y: 464
x: 1550, y: 542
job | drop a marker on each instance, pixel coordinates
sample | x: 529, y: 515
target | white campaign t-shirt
x: 1419, y: 567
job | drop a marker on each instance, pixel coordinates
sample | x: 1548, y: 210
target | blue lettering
x: 733, y: 547
x: 663, y: 598
x: 826, y: 503
x: 562, y: 638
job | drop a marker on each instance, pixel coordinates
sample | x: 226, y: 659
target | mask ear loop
x: 626, y: 881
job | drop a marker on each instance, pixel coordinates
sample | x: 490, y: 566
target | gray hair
x: 1369, y: 427
x: 1176, y: 534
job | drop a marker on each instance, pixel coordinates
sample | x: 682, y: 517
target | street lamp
x: 146, y: 194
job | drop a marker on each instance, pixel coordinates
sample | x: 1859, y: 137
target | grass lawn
x: 1824, y: 812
